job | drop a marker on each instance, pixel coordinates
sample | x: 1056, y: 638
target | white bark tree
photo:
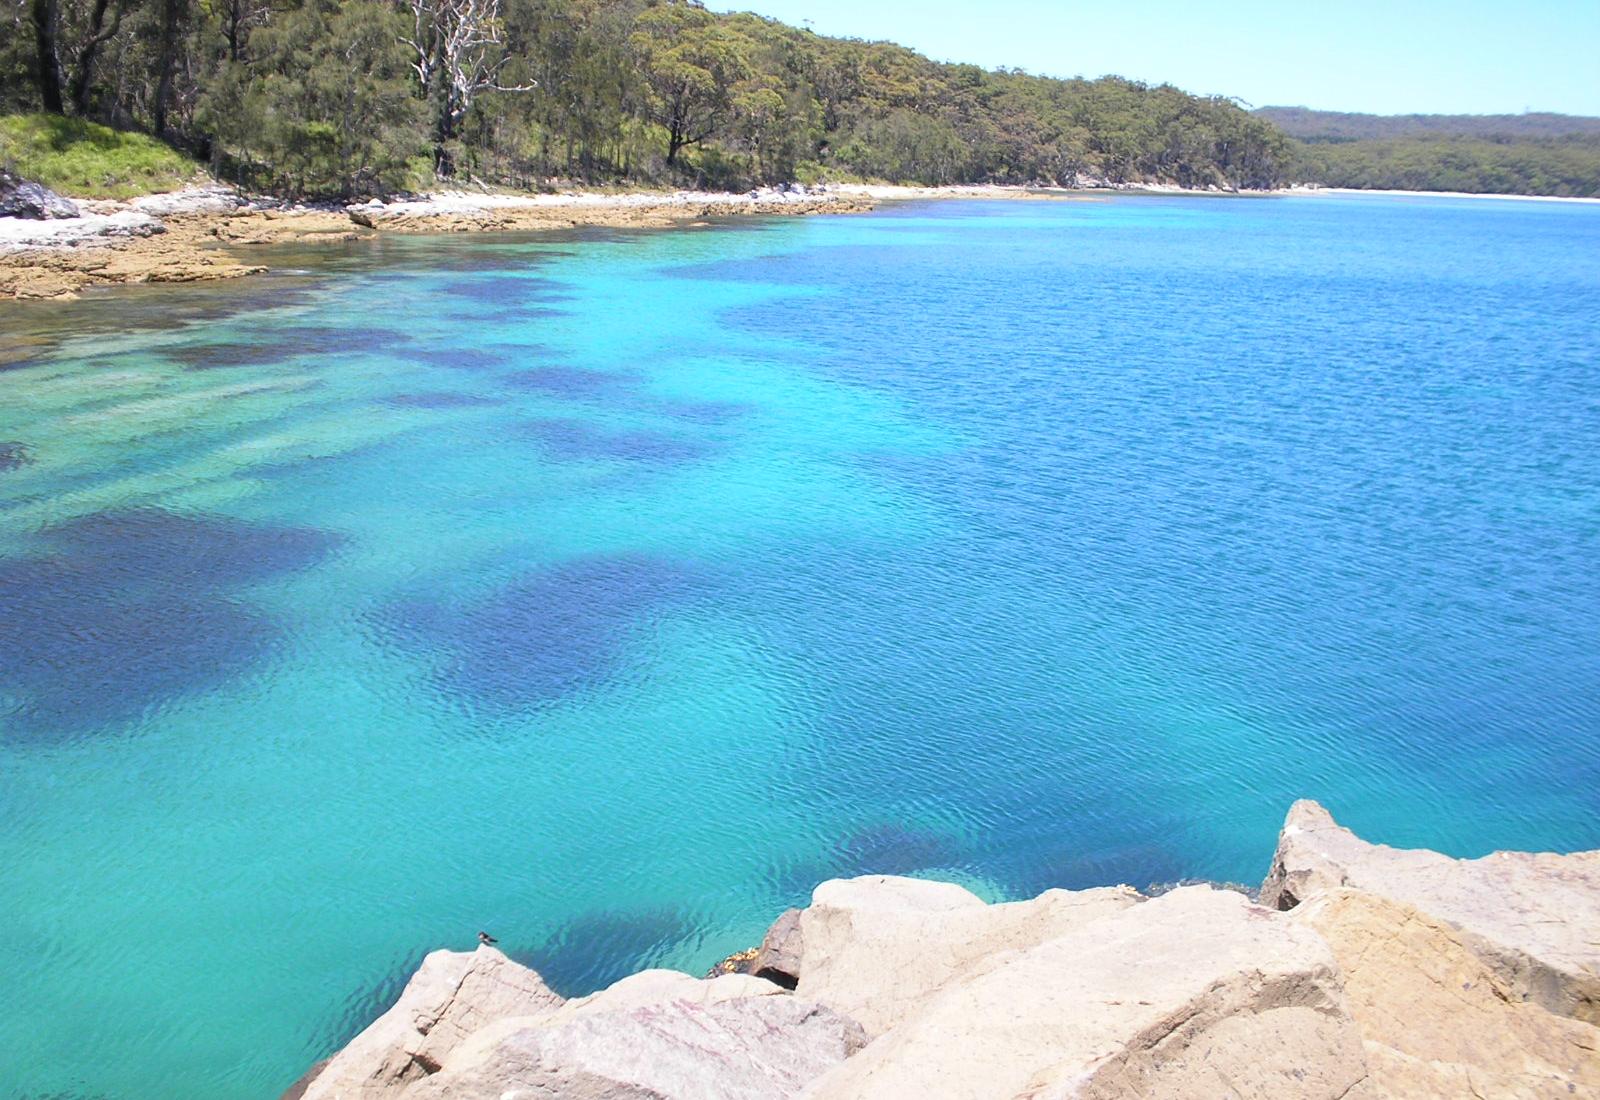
x: 459, y: 51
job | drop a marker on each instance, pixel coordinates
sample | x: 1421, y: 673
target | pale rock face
x: 451, y: 996
x: 1436, y: 1019
x: 650, y: 987
x: 647, y: 987
x: 1531, y: 916
x: 876, y: 947
x: 215, y: 199
x: 743, y: 1048
x: 1197, y: 993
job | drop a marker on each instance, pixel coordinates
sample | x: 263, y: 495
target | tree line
x: 1309, y: 125
x: 349, y: 98
x: 1567, y: 166
x: 1537, y: 153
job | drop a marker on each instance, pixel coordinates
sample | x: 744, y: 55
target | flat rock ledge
x: 1365, y: 972
x: 185, y: 236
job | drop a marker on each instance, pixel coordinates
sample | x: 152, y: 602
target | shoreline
x: 1498, y: 196
x: 187, y: 235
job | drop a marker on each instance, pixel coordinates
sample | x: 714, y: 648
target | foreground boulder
x: 888, y: 988
x: 1198, y: 993
x: 702, y: 1049
x: 1436, y: 1020
x: 1531, y: 917
x: 20, y: 198
x: 877, y: 947
x: 471, y: 1026
x: 451, y: 996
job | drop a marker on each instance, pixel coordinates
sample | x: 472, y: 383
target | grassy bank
x: 84, y: 159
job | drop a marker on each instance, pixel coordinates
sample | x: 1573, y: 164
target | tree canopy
x: 346, y: 98
x: 356, y: 97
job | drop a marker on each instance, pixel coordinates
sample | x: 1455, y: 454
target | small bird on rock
x: 486, y: 939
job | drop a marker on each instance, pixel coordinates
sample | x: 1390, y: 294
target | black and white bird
x: 486, y: 939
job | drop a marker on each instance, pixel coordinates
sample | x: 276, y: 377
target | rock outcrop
x: 1197, y: 993
x: 113, y: 242
x: 1531, y: 916
x: 1436, y: 1020
x: 707, y: 1048
x: 778, y: 957
x: 20, y: 198
x: 876, y: 948
x: 1391, y: 975
x: 451, y: 996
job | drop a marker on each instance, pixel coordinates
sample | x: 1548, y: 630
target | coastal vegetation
x: 364, y: 97
x: 1530, y: 154
x: 358, y: 98
x: 83, y: 158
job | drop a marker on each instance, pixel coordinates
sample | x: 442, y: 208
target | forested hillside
x: 1529, y: 154
x: 320, y: 97
x: 1310, y: 125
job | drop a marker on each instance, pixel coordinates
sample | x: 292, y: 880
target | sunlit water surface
x: 609, y: 592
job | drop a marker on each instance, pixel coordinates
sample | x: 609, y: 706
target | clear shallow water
x: 609, y: 592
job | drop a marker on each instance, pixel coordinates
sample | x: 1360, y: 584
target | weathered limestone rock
x: 740, y: 1048
x: 1530, y: 916
x: 451, y: 996
x: 1436, y: 1020
x: 1197, y: 993
x: 20, y: 198
x: 876, y: 947
x: 778, y: 957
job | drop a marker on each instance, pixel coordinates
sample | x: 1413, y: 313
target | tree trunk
x: 166, y: 58
x: 43, y: 17
x: 79, y: 89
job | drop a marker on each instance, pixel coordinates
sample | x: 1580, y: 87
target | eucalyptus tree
x: 457, y: 51
x: 67, y: 36
x: 690, y: 63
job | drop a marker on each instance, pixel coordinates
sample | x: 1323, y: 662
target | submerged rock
x: 14, y: 455
x: 1531, y: 916
x: 20, y: 198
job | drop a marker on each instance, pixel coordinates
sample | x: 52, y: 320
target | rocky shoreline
x: 186, y: 236
x: 1363, y: 972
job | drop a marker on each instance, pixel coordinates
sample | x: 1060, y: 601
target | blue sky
x: 1390, y: 58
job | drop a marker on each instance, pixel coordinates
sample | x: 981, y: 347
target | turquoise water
x: 608, y: 592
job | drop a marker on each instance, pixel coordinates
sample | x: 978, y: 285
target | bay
x: 609, y: 591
